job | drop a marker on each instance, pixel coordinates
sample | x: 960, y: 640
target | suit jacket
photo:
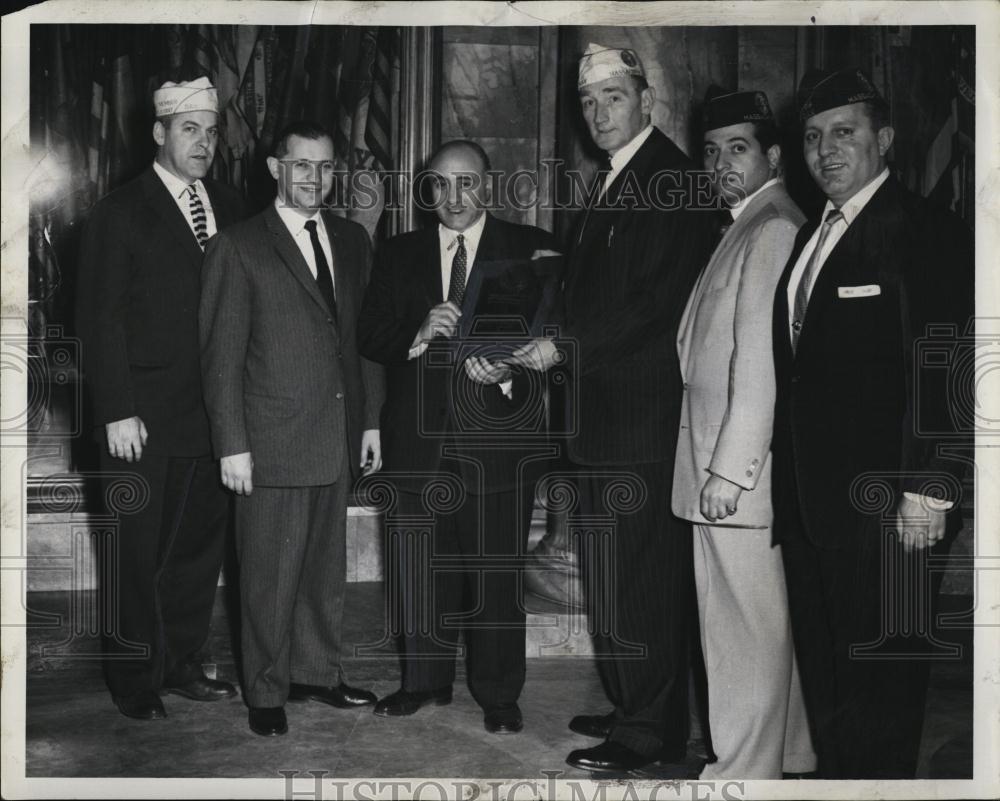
x: 727, y: 362
x: 630, y: 273
x: 431, y: 403
x: 137, y: 311
x: 283, y: 377
x: 857, y: 397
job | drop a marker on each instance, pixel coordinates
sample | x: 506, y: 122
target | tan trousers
x: 755, y: 706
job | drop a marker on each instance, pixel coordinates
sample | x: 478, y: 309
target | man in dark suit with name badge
x: 294, y: 412
x: 861, y: 488
x: 632, y: 267
x: 137, y: 316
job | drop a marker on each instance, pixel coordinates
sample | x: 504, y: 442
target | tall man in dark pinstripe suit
x: 294, y: 412
x: 633, y: 265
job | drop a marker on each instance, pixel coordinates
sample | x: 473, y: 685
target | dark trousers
x: 460, y: 572
x: 161, y: 568
x: 864, y: 675
x: 291, y: 547
x: 638, y: 576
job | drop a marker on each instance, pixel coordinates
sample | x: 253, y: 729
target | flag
x: 378, y: 128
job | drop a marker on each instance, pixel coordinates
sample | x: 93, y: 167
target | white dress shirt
x: 178, y: 189
x: 296, y: 225
x: 737, y: 210
x: 851, y: 209
x: 624, y: 156
x: 448, y: 246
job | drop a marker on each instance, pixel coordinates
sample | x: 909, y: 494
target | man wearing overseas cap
x: 137, y: 318
x: 862, y: 489
x: 722, y: 472
x: 631, y: 269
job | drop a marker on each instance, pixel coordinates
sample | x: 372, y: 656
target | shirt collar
x: 472, y: 234
x: 623, y: 156
x: 740, y: 207
x: 176, y: 186
x: 294, y: 221
x: 852, y: 208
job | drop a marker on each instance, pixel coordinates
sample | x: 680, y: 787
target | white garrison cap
x: 600, y: 63
x: 176, y: 98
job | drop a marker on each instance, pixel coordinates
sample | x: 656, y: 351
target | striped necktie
x: 808, y: 278
x: 456, y: 287
x: 198, y: 217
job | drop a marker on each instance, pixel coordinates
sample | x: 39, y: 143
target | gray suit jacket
x: 283, y: 378
x: 727, y: 364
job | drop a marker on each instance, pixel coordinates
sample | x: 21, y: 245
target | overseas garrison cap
x: 176, y: 98
x: 821, y: 90
x: 723, y: 108
x: 599, y: 63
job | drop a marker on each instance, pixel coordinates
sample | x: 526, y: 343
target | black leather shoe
x: 268, y: 721
x: 598, y: 726
x: 143, y: 705
x: 341, y: 696
x: 403, y: 702
x: 201, y: 688
x: 503, y: 719
x: 609, y: 757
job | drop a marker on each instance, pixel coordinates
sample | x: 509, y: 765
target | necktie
x: 723, y: 221
x: 323, y: 278
x: 809, y: 275
x: 456, y: 287
x: 198, y: 218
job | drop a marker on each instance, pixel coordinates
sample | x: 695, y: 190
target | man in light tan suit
x: 722, y: 469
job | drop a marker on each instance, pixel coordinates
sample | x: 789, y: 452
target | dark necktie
x: 723, y: 221
x: 198, y: 216
x: 323, y: 278
x: 456, y: 287
x: 808, y: 278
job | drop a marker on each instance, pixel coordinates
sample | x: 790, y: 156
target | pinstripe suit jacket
x: 727, y: 362
x: 629, y: 275
x: 283, y: 377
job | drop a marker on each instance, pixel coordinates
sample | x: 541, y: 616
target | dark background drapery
x: 91, y: 116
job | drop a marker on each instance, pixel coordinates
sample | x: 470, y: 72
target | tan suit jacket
x: 724, y: 345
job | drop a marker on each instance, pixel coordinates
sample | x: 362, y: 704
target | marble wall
x: 492, y: 85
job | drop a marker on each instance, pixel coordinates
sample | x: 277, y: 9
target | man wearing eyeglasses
x: 294, y: 412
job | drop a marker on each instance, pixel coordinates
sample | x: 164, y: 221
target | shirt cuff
x: 417, y: 351
x: 934, y: 504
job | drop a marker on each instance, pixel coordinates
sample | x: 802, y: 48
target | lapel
x: 292, y: 257
x: 855, y: 258
x: 343, y: 283
x: 429, y: 261
x: 220, y: 208
x: 166, y: 211
x: 782, y: 336
x: 490, y: 247
x: 721, y: 260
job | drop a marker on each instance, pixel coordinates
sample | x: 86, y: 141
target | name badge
x: 859, y: 291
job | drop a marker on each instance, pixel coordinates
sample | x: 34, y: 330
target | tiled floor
x: 73, y: 730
